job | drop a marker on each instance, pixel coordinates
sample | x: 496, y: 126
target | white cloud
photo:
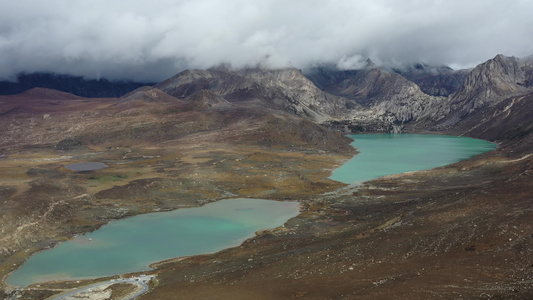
x: 150, y: 40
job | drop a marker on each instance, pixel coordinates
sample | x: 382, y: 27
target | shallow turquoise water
x: 386, y: 154
x: 130, y: 245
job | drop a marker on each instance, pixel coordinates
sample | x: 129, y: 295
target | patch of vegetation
x: 108, y: 178
x: 36, y: 172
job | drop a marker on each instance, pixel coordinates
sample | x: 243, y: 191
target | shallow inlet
x: 387, y: 154
x: 131, y: 244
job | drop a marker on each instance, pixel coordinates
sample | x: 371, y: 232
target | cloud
x: 151, y: 40
x: 355, y: 62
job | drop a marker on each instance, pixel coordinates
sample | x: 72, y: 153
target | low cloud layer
x: 151, y: 40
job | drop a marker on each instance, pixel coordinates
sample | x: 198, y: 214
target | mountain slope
x: 510, y: 120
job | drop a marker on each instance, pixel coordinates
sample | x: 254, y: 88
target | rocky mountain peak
x: 285, y: 89
x: 485, y: 87
x: 378, y: 99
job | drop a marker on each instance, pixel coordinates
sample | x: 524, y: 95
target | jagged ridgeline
x: 372, y: 99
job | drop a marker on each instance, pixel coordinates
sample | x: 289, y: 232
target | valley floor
x: 461, y: 231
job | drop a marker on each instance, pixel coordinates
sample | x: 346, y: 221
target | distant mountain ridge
x: 44, y: 93
x: 77, y: 85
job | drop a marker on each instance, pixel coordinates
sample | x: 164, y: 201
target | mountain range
x: 373, y: 99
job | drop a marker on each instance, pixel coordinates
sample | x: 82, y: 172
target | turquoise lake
x: 131, y: 244
x: 386, y: 154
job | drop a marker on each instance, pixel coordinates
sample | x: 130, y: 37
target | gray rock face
x: 380, y: 100
x: 527, y: 67
x: 501, y: 76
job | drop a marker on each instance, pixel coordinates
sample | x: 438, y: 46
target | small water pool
x: 86, y: 166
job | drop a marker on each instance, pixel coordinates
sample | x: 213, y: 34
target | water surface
x: 131, y: 244
x: 386, y: 154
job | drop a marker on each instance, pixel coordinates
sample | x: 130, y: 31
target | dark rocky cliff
x: 435, y: 81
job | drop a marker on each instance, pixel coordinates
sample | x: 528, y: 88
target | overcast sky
x: 152, y: 40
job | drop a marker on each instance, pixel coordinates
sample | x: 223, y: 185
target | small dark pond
x: 86, y: 166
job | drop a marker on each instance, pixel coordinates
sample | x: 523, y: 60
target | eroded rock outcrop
x: 380, y: 100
